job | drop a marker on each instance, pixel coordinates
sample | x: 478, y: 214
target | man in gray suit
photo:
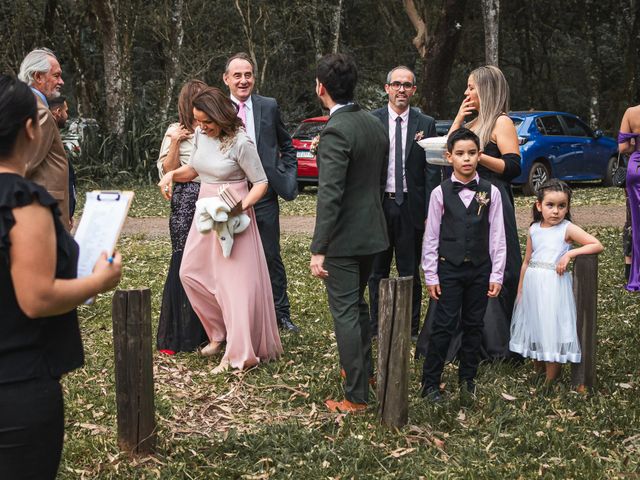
x: 261, y: 117
x: 350, y: 226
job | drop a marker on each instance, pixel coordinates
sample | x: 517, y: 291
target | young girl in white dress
x: 544, y: 318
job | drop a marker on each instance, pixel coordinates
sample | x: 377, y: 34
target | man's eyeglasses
x: 397, y: 85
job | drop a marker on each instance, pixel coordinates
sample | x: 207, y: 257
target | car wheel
x: 538, y: 174
x: 607, y: 180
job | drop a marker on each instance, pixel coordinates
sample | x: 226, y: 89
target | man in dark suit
x: 350, y: 227
x: 60, y: 111
x: 408, y: 182
x: 261, y: 117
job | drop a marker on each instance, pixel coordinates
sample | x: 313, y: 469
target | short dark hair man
x: 350, y: 226
x: 408, y: 182
x: 261, y: 116
x: 60, y: 111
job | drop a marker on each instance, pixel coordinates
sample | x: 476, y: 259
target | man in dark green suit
x: 350, y: 225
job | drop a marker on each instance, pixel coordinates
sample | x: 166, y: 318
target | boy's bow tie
x: 472, y: 185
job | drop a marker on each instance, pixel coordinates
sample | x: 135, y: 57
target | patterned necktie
x: 399, y: 167
x: 242, y: 113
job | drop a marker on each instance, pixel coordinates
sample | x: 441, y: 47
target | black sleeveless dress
x: 41, y: 347
x: 497, y: 318
x: 34, y: 352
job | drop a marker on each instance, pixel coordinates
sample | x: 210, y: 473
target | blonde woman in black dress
x: 487, y: 94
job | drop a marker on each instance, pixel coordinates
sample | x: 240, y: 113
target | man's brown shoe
x: 345, y: 406
x: 372, y: 380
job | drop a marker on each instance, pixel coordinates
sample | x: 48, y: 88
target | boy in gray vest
x: 463, y: 258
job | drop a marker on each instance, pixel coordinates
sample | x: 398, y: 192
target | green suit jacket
x: 351, y: 154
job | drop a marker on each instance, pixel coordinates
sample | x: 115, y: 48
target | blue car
x: 560, y: 145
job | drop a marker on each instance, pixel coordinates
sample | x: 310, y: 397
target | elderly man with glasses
x: 408, y: 181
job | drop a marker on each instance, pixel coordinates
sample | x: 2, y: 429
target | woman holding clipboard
x: 39, y: 332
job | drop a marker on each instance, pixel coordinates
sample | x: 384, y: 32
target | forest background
x: 124, y: 61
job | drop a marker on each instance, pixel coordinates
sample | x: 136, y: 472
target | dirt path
x: 587, y: 216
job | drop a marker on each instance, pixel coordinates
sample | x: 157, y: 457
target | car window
x: 575, y: 128
x: 308, y: 130
x: 442, y: 127
x: 550, y: 125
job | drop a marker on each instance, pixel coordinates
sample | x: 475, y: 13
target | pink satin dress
x: 231, y: 296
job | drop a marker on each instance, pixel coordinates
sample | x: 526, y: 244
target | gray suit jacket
x: 351, y: 154
x: 274, y: 148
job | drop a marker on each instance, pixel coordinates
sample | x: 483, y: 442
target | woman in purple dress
x: 628, y: 143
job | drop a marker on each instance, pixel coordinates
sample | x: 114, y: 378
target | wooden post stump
x: 131, y: 314
x: 394, y: 341
x: 585, y: 289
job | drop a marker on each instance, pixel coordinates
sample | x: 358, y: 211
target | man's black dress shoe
x: 467, y: 393
x: 469, y: 386
x: 432, y: 394
x: 286, y: 324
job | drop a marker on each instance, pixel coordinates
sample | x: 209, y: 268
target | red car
x: 302, y: 138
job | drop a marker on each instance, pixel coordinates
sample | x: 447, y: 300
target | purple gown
x: 633, y: 192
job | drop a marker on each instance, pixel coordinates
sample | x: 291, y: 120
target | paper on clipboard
x: 102, y: 219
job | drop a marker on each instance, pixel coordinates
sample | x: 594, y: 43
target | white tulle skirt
x: 544, y: 318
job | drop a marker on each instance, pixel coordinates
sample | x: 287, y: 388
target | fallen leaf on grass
x: 401, y: 452
x: 95, y: 429
x: 508, y: 397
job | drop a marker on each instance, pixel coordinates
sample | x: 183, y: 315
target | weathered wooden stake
x: 585, y: 289
x: 394, y: 341
x: 131, y: 314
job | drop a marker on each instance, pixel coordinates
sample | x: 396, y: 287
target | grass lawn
x: 270, y: 422
x: 148, y: 202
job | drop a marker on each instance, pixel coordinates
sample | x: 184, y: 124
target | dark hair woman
x: 179, y: 329
x: 39, y: 333
x: 230, y: 291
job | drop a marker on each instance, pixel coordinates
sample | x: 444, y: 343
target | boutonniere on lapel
x: 313, y: 148
x: 482, y: 199
x: 419, y: 136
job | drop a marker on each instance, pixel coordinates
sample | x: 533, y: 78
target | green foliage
x: 270, y: 422
x: 556, y: 55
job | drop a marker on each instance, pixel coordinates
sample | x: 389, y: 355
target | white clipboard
x: 102, y: 219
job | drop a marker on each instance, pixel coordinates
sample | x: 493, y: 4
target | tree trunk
x: 68, y: 16
x: 172, y: 55
x: 491, y: 19
x: 592, y: 60
x: 316, y: 33
x: 437, y: 51
x: 247, y: 28
x: 117, y: 36
x: 337, y: 20
x: 629, y: 88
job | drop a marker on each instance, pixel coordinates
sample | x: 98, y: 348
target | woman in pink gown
x: 232, y: 296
